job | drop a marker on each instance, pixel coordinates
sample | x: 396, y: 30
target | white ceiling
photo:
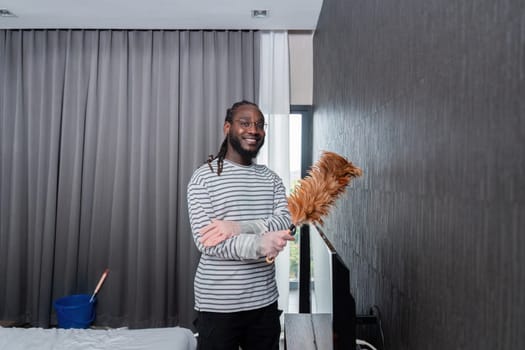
x: 160, y: 14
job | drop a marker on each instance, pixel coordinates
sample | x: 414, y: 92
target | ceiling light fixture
x: 260, y: 13
x: 6, y: 13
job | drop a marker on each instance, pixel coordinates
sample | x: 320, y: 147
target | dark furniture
x: 336, y: 330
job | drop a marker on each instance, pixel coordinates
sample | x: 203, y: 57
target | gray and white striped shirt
x: 230, y: 276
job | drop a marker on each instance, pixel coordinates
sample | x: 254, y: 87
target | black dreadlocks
x: 224, y: 145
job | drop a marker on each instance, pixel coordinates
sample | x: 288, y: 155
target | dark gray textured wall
x: 428, y: 97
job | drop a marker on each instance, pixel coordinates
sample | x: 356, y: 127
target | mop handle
x: 100, y: 281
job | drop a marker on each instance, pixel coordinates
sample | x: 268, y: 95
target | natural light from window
x: 295, y: 176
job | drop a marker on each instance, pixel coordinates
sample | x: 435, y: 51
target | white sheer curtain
x: 274, y: 102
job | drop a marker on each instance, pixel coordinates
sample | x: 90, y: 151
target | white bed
x: 173, y: 338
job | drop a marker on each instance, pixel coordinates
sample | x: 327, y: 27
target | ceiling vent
x: 260, y: 13
x: 6, y: 13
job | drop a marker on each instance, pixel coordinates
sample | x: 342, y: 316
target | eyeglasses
x: 246, y: 124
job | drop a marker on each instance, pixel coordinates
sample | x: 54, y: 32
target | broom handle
x: 99, y: 284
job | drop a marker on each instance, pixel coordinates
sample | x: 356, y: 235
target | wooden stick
x: 99, y: 284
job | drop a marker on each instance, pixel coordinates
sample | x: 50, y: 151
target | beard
x: 245, y: 153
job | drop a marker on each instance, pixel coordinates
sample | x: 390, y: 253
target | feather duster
x: 315, y: 195
x: 317, y: 192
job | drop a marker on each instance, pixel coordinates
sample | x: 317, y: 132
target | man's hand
x: 218, y: 231
x: 272, y: 243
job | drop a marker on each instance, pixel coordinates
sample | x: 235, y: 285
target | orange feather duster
x: 326, y: 181
x: 317, y: 192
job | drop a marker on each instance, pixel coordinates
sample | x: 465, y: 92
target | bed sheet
x: 172, y: 338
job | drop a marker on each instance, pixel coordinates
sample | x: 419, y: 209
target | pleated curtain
x: 100, y: 131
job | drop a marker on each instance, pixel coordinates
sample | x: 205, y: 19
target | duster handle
x: 292, y: 230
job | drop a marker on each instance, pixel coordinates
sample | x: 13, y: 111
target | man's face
x: 246, y: 131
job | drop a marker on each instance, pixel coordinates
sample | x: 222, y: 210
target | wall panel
x: 428, y: 97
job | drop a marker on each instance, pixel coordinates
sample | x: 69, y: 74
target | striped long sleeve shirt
x: 230, y: 276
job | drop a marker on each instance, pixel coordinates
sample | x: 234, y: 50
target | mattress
x: 172, y: 338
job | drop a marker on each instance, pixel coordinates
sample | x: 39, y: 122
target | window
x: 300, y: 161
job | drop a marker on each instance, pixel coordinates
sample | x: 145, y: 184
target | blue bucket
x: 75, y: 311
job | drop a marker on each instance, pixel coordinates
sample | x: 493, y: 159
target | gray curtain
x: 99, y: 133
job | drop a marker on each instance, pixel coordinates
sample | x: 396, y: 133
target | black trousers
x: 250, y: 330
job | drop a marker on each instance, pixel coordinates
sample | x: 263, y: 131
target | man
x: 238, y: 215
